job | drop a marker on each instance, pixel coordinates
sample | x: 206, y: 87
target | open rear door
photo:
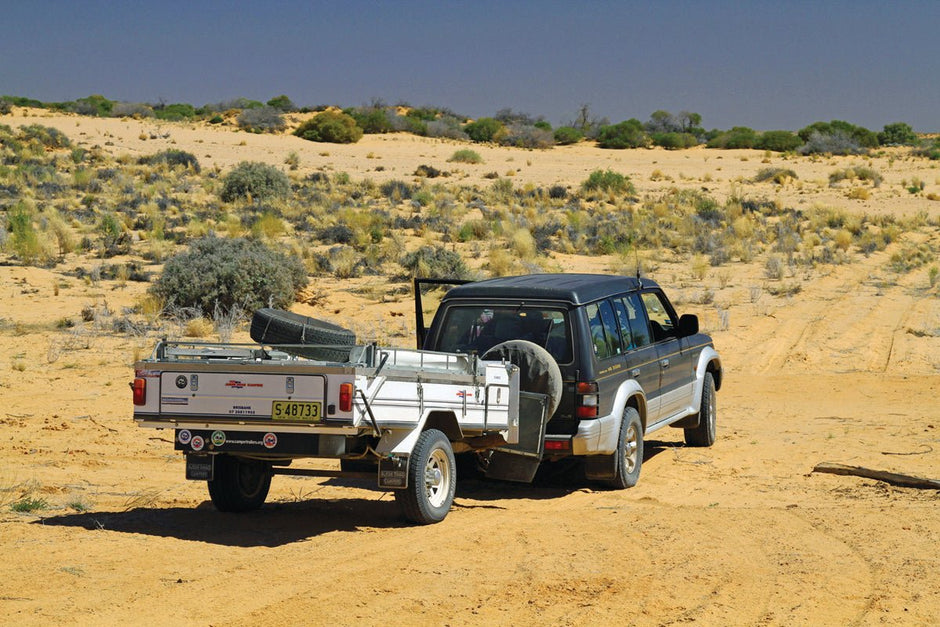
x: 420, y: 327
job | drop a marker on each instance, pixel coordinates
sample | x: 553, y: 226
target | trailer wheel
x: 239, y: 485
x: 432, y: 480
x: 274, y: 326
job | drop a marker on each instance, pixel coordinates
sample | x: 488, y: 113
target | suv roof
x: 576, y: 289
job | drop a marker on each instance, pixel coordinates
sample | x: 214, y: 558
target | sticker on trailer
x: 218, y: 438
x: 269, y: 440
x: 197, y: 443
x: 181, y: 382
x: 184, y: 436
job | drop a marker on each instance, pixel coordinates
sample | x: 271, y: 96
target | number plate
x: 296, y: 410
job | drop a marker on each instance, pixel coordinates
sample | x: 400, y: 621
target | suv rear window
x: 479, y: 328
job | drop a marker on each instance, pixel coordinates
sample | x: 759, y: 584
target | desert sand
x: 846, y: 370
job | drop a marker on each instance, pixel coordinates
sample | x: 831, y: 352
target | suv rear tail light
x: 586, y: 399
x: 139, y: 386
x: 345, y: 397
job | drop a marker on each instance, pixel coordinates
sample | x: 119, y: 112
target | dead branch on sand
x: 906, y: 481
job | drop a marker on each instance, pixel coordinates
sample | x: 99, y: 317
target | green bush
x: 674, y: 141
x: 262, y: 120
x: 608, y: 181
x: 833, y: 143
x: 372, y: 120
x: 24, y: 239
x: 254, y: 180
x: 172, y: 157
x: 466, y: 155
x: 778, y: 141
x: 175, y: 112
x: 230, y: 273
x: 567, y: 135
x: 928, y: 149
x: 627, y: 134
x: 93, y: 105
x: 485, y: 130
x: 839, y: 130
x: 331, y: 127
x: 897, y: 134
x: 737, y: 137
x: 48, y: 136
x: 435, y: 262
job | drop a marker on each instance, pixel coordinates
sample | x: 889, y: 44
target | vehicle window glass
x: 623, y: 321
x: 661, y: 323
x: 639, y: 328
x: 479, y: 328
x: 610, y: 327
x: 596, y: 326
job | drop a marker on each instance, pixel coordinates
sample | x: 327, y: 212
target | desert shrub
x: 5, y: 106
x: 910, y: 257
x: 465, y: 155
x: 93, y: 105
x: 172, y: 157
x: 24, y: 239
x: 527, y: 136
x: 331, y: 127
x: 131, y: 110
x: 626, y: 134
x: 737, y: 137
x: 371, y: 120
x: 263, y: 120
x: 282, y: 103
x: 674, y: 141
x: 928, y: 149
x: 114, y: 240
x: 775, y: 175
x: 175, y: 112
x: 897, y: 134
x: 230, y: 273
x: 396, y: 190
x: 46, y: 135
x: 773, y: 267
x: 449, y: 128
x: 778, y: 141
x: 860, y: 135
x: 485, y: 130
x: 435, y: 262
x: 254, y: 180
x: 428, y: 171
x: 557, y: 192
x: 567, y: 135
x: 858, y: 173
x: 834, y: 143
x: 336, y: 234
x: 608, y: 181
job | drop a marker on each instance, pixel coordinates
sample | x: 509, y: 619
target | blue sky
x: 766, y: 65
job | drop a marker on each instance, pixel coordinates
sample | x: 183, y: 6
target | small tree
x: 897, y: 134
x: 332, y: 127
x: 566, y: 135
x: 282, y: 103
x: 608, y: 181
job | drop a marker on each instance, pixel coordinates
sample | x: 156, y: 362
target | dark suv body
x: 619, y: 344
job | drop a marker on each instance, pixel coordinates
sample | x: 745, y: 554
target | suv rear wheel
x: 629, y: 455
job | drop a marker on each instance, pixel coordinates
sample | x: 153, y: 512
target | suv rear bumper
x: 596, y: 437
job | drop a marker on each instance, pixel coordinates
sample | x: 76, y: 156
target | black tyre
x: 432, y: 480
x: 239, y: 485
x: 275, y: 326
x: 704, y: 433
x: 629, y: 456
x: 538, y: 370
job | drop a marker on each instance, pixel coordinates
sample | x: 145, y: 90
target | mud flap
x: 393, y: 472
x: 200, y: 467
x: 520, y: 461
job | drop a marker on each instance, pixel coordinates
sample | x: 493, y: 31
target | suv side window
x: 633, y: 327
x: 604, y: 333
x: 661, y: 322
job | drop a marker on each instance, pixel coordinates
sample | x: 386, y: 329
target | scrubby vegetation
x: 332, y: 127
x: 251, y: 180
x: 226, y: 273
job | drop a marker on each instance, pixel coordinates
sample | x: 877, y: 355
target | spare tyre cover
x: 276, y: 326
x: 538, y: 371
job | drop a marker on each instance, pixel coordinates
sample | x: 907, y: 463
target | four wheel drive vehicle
x: 629, y: 364
x: 513, y: 371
